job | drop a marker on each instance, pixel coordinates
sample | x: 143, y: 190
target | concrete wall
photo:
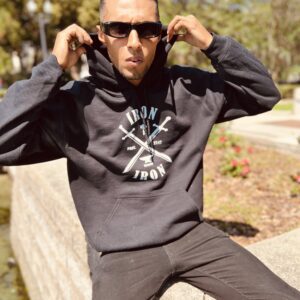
x: 49, y: 244
x: 46, y: 235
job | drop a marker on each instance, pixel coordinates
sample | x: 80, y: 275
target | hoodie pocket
x: 146, y: 220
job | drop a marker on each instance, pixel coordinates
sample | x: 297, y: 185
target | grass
x: 5, y: 188
x: 284, y: 106
x: 231, y: 206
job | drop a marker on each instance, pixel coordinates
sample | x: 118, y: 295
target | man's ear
x: 100, y: 34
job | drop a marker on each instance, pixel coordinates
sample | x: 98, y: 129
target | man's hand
x: 195, y: 33
x: 65, y: 56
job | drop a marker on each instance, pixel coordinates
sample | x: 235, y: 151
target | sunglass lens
x: 148, y: 30
x: 119, y: 29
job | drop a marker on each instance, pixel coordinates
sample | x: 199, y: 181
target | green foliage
x: 287, y: 90
x: 88, y: 14
x: 220, y: 138
x: 2, y: 93
x: 5, y: 62
x: 268, y: 28
x: 235, y: 161
x: 284, y: 106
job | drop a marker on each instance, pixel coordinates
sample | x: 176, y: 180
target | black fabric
x: 204, y: 257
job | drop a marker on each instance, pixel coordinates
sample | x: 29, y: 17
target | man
x: 134, y: 133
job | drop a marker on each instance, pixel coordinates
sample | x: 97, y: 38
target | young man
x: 134, y: 133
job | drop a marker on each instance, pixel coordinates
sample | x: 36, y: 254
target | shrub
x: 220, y: 138
x: 2, y: 92
x: 235, y: 161
x: 235, y: 166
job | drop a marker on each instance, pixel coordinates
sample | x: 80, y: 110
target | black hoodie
x: 134, y: 154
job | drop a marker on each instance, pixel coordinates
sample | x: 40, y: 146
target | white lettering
x: 152, y: 113
x: 135, y: 114
x: 131, y: 148
x: 144, y: 113
x: 144, y: 175
x: 161, y: 170
x: 129, y: 118
x: 153, y: 174
x: 136, y: 174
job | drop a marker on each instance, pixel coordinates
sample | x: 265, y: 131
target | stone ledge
x: 49, y: 242
x: 282, y: 255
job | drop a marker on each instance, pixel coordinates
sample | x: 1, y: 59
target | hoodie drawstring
x: 148, y: 128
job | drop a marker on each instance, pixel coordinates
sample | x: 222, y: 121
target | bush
x: 287, y: 90
x: 235, y: 161
x: 2, y: 92
x: 220, y: 138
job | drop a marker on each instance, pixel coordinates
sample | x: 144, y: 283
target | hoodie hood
x: 101, y: 67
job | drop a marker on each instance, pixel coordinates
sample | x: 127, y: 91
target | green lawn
x: 5, y: 187
x: 284, y: 106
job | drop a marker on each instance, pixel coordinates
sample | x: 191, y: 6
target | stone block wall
x: 46, y: 235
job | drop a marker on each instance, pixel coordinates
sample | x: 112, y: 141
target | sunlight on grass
x: 283, y: 106
x: 230, y: 209
x: 5, y: 190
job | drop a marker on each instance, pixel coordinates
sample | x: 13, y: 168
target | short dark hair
x: 102, y: 5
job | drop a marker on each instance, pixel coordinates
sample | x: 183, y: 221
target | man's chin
x: 133, y: 77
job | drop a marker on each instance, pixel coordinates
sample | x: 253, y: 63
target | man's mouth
x: 135, y: 60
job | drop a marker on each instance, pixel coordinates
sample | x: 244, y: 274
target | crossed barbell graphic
x: 144, y: 145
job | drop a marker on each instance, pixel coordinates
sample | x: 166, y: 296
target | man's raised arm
x: 242, y: 86
x: 30, y: 105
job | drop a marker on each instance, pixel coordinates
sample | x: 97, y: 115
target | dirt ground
x: 257, y: 207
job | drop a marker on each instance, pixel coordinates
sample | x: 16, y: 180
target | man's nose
x: 134, y: 40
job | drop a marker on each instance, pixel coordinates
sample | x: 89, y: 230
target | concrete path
x: 278, y: 129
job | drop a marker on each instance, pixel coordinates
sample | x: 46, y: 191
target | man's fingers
x: 75, y: 31
x: 175, y: 25
x: 170, y: 28
x: 80, y: 51
x: 172, y: 23
x: 180, y: 25
x: 68, y: 45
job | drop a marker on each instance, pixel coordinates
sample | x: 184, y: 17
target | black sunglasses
x: 145, y: 30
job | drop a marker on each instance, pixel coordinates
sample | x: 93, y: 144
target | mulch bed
x: 257, y: 207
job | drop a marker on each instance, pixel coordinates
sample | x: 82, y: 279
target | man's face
x: 121, y: 50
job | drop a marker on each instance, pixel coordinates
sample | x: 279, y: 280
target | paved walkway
x: 278, y: 129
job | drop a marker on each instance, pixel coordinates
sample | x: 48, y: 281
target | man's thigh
x: 128, y: 275
x: 208, y: 259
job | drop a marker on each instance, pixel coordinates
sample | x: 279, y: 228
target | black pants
x: 205, y: 257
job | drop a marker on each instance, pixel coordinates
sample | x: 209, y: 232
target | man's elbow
x: 272, y: 98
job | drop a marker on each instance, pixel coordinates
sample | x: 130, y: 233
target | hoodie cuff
x: 217, y: 50
x: 49, y: 67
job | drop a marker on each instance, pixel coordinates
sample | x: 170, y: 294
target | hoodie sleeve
x: 30, y: 122
x: 248, y: 88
